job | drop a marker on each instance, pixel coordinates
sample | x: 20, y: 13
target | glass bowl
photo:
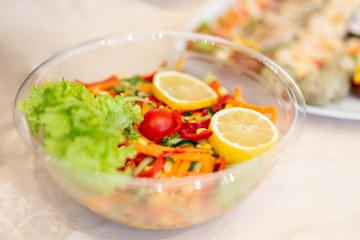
x: 180, y: 202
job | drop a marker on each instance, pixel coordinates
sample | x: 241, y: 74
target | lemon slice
x: 182, y: 91
x: 240, y: 134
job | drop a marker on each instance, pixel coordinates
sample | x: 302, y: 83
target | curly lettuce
x: 76, y: 127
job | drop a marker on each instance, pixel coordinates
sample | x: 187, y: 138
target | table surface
x: 312, y: 193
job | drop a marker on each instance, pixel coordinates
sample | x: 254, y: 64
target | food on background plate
x: 309, y: 39
x: 354, y: 51
x: 166, y: 124
x: 356, y: 82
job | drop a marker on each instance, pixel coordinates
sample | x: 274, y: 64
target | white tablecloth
x: 312, y: 193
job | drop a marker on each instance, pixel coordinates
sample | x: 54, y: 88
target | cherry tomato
x: 157, y: 122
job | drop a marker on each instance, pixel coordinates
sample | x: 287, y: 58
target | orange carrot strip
x: 179, y: 63
x: 183, y: 168
x: 183, y: 150
x: 190, y: 157
x: 104, y: 85
x: 145, y: 107
x: 237, y: 92
x: 215, y: 85
x: 187, y: 156
x: 253, y: 107
x: 273, y: 116
x: 150, y: 150
x: 174, y: 168
x: 235, y: 102
x: 207, y: 165
x: 155, y: 150
x: 145, y: 88
x: 271, y: 110
x: 192, y: 150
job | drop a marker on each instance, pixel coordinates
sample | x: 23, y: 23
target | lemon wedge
x: 182, y: 91
x: 240, y: 134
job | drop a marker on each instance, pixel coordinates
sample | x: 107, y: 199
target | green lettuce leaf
x: 77, y: 128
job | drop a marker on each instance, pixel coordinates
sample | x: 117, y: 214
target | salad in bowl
x: 178, y: 137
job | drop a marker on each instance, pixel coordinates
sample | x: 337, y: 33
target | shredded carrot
x: 145, y: 88
x: 183, y: 150
x: 273, y: 116
x: 235, y: 102
x: 155, y: 150
x: 237, y: 93
x: 215, y: 85
x: 207, y: 165
x: 150, y: 149
x: 183, y: 168
x: 188, y: 156
x: 201, y: 150
x: 269, y: 110
x: 104, y: 85
x: 145, y: 107
x: 179, y: 63
x: 174, y: 168
x: 253, y: 107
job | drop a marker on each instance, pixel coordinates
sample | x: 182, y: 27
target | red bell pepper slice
x: 150, y: 77
x: 220, y: 103
x: 193, y: 136
x: 194, y: 126
x: 188, y: 130
x: 121, y: 169
x: 216, y: 106
x: 138, y: 158
x: 157, y: 167
x: 125, y: 143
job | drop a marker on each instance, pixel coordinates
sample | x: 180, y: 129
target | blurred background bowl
x: 169, y: 203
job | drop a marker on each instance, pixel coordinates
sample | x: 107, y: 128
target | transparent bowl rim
x: 291, y: 85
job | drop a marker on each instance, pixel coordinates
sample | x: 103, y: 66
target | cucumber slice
x: 185, y: 142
